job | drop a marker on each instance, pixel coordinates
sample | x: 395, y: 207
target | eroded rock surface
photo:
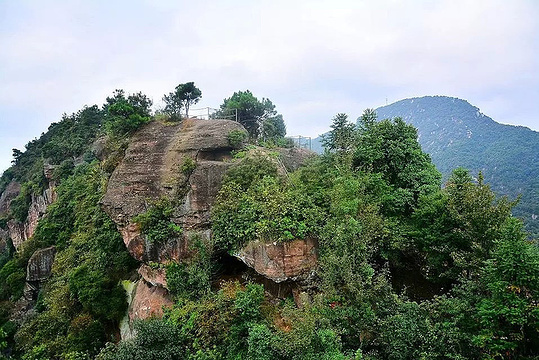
x: 20, y: 232
x: 153, y: 276
x: 280, y: 262
x: 10, y: 193
x: 39, y: 269
x: 148, y: 301
x: 152, y: 169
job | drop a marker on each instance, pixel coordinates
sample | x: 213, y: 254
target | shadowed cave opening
x: 231, y: 268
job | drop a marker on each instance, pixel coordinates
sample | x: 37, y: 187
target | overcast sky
x: 313, y: 59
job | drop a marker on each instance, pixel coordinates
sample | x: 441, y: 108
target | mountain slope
x: 455, y: 133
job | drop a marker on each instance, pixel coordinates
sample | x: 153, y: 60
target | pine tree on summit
x: 183, y: 97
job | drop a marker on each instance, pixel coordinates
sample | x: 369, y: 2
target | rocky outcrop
x: 20, y: 232
x: 293, y: 158
x: 148, y: 301
x: 152, y: 169
x: 38, y: 270
x: 154, y: 276
x: 10, y: 193
x: 287, y: 261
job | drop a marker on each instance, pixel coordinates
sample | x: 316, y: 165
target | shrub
x: 236, y: 138
x: 188, y: 166
x: 155, y: 223
x: 192, y: 278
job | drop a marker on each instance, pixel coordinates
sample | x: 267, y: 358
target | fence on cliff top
x: 206, y: 113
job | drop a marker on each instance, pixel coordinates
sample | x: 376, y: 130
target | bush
x: 192, y: 278
x: 188, y: 166
x: 155, y: 223
x: 236, y: 138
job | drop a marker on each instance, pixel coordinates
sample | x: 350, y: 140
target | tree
x: 126, y: 114
x: 390, y: 148
x: 273, y: 128
x: 183, y: 97
x: 367, y: 119
x: 342, y: 134
x: 252, y: 113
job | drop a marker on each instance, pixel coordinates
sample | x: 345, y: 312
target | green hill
x: 455, y: 133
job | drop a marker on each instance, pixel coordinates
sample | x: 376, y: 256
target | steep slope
x: 455, y: 133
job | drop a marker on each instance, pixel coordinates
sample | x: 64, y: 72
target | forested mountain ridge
x: 126, y: 234
x: 456, y: 134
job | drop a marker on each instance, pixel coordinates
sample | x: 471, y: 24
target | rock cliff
x: 152, y: 170
x: 20, y: 232
x: 185, y: 163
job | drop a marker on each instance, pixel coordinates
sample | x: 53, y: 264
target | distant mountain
x: 455, y: 133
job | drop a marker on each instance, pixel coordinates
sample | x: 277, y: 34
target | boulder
x: 38, y: 270
x: 40, y: 264
x: 287, y: 261
x: 148, y: 301
x: 293, y: 158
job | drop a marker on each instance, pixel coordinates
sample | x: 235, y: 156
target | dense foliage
x: 259, y: 117
x: 406, y: 269
x: 456, y: 133
x: 82, y: 300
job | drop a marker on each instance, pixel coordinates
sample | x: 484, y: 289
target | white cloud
x: 311, y: 58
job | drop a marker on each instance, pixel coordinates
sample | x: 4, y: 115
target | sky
x: 312, y: 59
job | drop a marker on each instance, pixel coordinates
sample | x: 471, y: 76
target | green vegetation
x: 236, y: 138
x: 188, y: 166
x: 259, y: 117
x: 83, y: 298
x: 407, y: 269
x: 181, y: 98
x: 155, y: 222
x: 192, y: 278
x: 456, y: 133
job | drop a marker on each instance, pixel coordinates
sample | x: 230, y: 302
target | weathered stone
x: 40, y: 264
x: 39, y: 269
x: 156, y: 277
x: 280, y: 262
x: 10, y: 193
x: 151, y: 170
x: 293, y: 158
x: 148, y: 301
x: 20, y: 232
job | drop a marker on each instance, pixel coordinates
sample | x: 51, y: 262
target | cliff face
x: 154, y: 168
x: 20, y: 232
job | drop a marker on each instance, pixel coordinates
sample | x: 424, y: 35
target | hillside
x: 456, y: 134
x: 128, y: 235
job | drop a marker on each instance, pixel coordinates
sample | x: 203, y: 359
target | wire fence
x: 302, y: 142
x: 207, y: 113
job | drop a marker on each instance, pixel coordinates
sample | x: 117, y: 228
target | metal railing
x: 207, y: 113
x: 302, y: 142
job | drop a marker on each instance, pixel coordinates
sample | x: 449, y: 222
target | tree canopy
x: 259, y: 117
x: 182, y: 97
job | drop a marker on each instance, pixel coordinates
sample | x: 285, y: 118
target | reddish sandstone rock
x: 148, y: 301
x: 280, y: 262
x: 152, y: 169
x: 156, y: 277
